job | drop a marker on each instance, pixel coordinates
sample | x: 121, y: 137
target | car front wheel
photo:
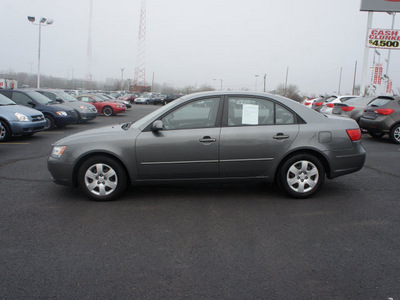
x: 395, y: 134
x: 107, y: 111
x: 50, y: 123
x: 5, y: 132
x: 301, y: 175
x: 102, y: 178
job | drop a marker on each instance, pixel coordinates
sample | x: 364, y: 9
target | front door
x: 188, y: 145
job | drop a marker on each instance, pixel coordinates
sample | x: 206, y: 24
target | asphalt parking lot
x: 223, y: 241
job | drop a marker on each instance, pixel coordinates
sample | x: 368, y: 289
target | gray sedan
x: 210, y: 137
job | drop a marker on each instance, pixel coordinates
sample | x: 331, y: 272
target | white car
x: 331, y: 102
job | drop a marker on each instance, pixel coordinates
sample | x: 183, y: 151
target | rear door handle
x: 207, y: 139
x: 280, y: 136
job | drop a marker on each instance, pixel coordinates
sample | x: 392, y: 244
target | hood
x: 12, y: 109
x: 61, y: 107
x: 99, y: 134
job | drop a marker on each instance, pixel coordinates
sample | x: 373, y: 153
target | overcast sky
x: 192, y: 42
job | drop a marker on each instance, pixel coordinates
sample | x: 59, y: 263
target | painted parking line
x: 50, y: 132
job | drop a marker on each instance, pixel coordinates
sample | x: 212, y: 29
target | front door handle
x: 280, y: 136
x: 207, y: 139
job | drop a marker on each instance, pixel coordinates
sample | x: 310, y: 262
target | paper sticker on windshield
x: 250, y: 114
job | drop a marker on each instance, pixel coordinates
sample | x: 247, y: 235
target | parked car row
x: 26, y: 111
x: 378, y: 115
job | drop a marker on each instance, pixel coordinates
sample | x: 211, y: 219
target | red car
x: 107, y: 108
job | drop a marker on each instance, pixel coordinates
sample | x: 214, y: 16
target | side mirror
x: 31, y: 103
x: 59, y: 100
x: 157, y: 126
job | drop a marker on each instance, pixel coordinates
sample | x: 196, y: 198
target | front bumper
x: 61, y: 173
x: 22, y: 128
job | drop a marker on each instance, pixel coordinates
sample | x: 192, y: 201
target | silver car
x: 210, y: 137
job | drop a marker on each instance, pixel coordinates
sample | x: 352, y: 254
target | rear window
x: 380, y: 102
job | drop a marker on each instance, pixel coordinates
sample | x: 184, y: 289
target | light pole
x: 256, y: 76
x: 40, y: 23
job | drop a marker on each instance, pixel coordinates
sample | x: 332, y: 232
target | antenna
x: 140, y: 71
x: 89, y: 48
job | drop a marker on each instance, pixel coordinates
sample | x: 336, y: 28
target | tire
x: 108, y: 111
x: 301, y: 176
x: 376, y: 135
x: 395, y: 134
x: 102, y: 178
x: 50, y: 124
x: 5, y: 131
x: 164, y: 102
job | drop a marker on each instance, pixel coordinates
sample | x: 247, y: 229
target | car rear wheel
x: 102, y: 178
x: 108, y: 111
x: 49, y: 122
x: 395, y: 134
x: 5, y: 132
x: 301, y: 175
x: 376, y: 135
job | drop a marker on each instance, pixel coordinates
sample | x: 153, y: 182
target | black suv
x: 55, y: 114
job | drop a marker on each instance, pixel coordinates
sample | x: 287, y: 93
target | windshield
x: 330, y: 99
x: 65, y: 96
x: 146, y: 95
x: 97, y: 98
x: 6, y: 101
x: 354, y: 100
x: 39, y: 97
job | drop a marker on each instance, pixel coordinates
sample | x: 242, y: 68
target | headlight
x: 62, y: 113
x: 57, y: 151
x: 121, y: 106
x: 84, y: 108
x: 22, y: 117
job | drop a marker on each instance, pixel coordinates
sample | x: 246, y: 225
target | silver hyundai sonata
x: 212, y: 136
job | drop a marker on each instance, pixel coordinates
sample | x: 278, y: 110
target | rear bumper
x: 377, y: 125
x: 346, y: 161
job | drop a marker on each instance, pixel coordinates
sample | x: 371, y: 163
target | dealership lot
x: 220, y: 241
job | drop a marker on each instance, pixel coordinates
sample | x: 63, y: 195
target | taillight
x: 354, y: 134
x: 384, y: 111
x: 318, y: 103
x: 307, y: 103
x: 330, y: 105
x: 347, y: 108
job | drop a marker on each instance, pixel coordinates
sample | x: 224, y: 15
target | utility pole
x: 287, y: 74
x: 340, y: 79
x: 122, y: 78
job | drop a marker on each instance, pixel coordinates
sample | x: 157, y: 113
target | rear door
x: 256, y: 133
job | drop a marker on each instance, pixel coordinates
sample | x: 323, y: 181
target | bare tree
x: 291, y: 92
